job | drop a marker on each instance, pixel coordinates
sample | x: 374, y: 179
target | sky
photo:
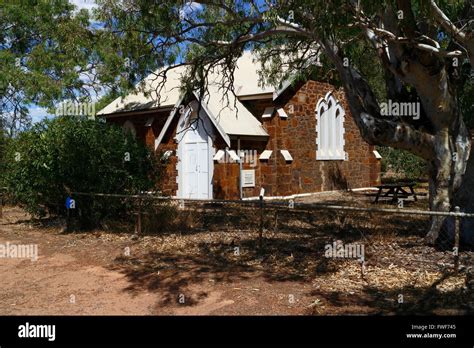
x: 38, y: 113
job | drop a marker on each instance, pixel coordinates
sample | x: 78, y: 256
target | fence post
x: 138, y: 230
x: 260, y: 236
x: 456, y: 239
x: 68, y: 213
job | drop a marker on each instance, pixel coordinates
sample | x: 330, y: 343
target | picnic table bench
x: 396, y: 191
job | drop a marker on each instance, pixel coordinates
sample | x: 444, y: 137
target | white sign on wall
x: 248, y: 178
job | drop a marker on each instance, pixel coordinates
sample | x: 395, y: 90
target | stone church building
x: 294, y: 140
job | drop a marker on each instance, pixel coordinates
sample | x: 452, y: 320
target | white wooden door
x: 195, y: 156
x: 203, y: 168
x: 191, y: 170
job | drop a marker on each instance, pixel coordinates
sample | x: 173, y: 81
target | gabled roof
x: 225, y: 110
x: 230, y: 114
x: 138, y: 101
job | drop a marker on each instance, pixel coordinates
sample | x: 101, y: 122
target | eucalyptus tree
x: 46, y: 52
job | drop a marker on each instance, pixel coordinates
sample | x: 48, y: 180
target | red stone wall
x: 297, y: 134
x: 226, y: 175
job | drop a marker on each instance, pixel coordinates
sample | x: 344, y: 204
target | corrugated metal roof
x: 138, y: 101
x: 229, y: 113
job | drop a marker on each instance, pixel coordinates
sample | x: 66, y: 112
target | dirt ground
x: 221, y: 272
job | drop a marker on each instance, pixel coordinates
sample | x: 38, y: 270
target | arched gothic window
x: 330, y: 129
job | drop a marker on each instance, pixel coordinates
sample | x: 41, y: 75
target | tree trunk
x: 464, y: 198
x: 447, y: 172
x: 439, y: 190
x: 446, y: 147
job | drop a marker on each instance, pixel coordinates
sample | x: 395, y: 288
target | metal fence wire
x: 369, y: 237
x: 346, y: 247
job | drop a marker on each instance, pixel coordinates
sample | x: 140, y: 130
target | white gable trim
x: 172, y: 115
x: 284, y: 86
x: 282, y: 113
x: 218, y: 156
x: 377, y: 154
x: 223, y: 134
x: 233, y: 155
x: 168, y: 122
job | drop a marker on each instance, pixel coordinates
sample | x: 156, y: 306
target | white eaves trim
x: 218, y: 156
x: 377, y: 154
x: 286, y: 155
x: 282, y: 113
x: 265, y: 155
x: 268, y: 112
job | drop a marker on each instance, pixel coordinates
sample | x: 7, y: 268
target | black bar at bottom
x: 353, y: 330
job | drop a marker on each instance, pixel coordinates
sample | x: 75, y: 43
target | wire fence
x: 335, y: 231
x: 373, y: 237
x: 353, y: 247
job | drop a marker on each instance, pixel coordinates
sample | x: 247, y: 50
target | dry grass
x: 212, y: 252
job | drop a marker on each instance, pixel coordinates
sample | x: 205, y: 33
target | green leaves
x: 401, y: 165
x: 75, y: 154
x: 43, y: 48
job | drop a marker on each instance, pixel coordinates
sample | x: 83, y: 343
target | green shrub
x: 401, y: 165
x: 68, y: 154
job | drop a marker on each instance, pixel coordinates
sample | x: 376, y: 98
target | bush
x: 3, y: 148
x: 401, y: 165
x: 68, y: 154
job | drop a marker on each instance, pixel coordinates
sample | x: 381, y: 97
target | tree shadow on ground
x: 293, y: 251
x: 405, y: 300
x: 290, y: 253
x: 172, y: 272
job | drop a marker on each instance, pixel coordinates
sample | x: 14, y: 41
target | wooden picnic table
x: 396, y: 191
